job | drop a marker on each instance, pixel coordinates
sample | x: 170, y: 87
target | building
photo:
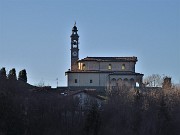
x: 87, y: 98
x: 100, y: 73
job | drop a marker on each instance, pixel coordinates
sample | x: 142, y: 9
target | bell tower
x: 74, y: 48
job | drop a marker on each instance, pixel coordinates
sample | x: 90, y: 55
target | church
x: 100, y: 73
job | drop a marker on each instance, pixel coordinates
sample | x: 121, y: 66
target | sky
x: 35, y: 35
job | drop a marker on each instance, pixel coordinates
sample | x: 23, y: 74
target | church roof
x: 111, y: 59
x: 109, y: 72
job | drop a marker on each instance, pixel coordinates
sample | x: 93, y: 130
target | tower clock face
x: 74, y: 53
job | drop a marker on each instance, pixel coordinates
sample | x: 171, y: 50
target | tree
x: 164, y: 125
x: 3, y: 73
x: 93, y: 120
x: 12, y: 74
x: 22, y: 75
x: 154, y: 80
x: 167, y: 83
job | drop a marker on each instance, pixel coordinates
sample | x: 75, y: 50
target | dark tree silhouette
x: 3, y: 73
x: 22, y: 75
x: 93, y: 120
x: 12, y: 74
x: 30, y: 110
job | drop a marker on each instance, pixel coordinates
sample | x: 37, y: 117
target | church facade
x: 100, y: 72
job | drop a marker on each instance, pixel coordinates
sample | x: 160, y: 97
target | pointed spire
x: 74, y: 29
x: 75, y: 23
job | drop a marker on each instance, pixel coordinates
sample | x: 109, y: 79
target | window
x: 74, y: 46
x: 75, y: 80
x: 113, y: 82
x: 109, y: 67
x: 74, y: 43
x: 123, y: 67
x: 91, y: 81
x: 83, y: 67
x: 79, y: 65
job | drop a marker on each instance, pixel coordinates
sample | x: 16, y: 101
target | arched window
x: 74, y: 46
x: 137, y: 84
x: 83, y: 67
x: 74, y: 42
x: 109, y: 67
x: 113, y: 82
x: 119, y: 82
x: 126, y: 82
x: 123, y: 67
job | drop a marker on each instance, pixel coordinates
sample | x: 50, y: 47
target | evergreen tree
x: 22, y: 75
x: 3, y: 73
x: 12, y: 74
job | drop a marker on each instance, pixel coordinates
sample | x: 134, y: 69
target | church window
x: 123, y: 67
x: 91, y: 81
x: 113, y: 82
x: 74, y: 43
x: 83, y: 67
x: 74, y: 46
x: 75, y: 80
x: 109, y: 67
x: 79, y: 65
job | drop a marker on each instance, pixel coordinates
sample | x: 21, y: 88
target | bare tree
x: 154, y: 80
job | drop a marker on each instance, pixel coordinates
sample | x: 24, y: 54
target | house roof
x: 92, y: 93
x: 110, y: 59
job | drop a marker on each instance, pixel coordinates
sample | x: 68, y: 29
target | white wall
x: 83, y: 79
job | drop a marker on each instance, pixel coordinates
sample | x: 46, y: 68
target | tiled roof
x: 92, y: 93
x: 111, y: 59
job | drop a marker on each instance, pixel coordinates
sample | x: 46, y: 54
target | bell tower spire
x: 74, y: 48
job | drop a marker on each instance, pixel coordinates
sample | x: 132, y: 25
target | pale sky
x: 35, y: 35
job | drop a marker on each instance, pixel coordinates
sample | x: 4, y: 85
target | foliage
x: 24, y: 111
x: 93, y: 120
x: 22, y: 75
x: 3, y: 73
x: 12, y: 74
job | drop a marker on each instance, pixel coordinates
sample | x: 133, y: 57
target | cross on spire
x: 75, y: 23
